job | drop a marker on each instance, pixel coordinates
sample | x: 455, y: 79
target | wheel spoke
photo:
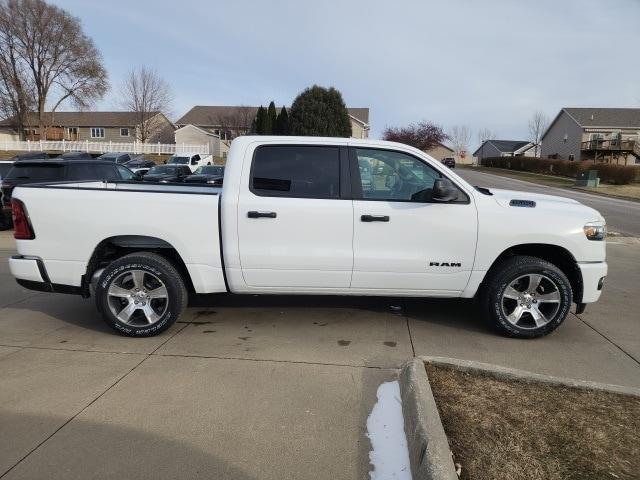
x: 126, y: 312
x: 152, y: 316
x: 116, y: 291
x: 138, y: 278
x: 515, y: 316
x: 538, y: 316
x: 534, y: 282
x: 511, y: 293
x: 551, y: 297
x: 160, y: 292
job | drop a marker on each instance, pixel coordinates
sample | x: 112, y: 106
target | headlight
x: 595, y: 230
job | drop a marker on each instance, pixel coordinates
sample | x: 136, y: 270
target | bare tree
x: 423, y: 136
x: 236, y: 121
x: 62, y: 63
x: 146, y: 94
x: 460, y: 136
x: 485, y: 134
x: 538, y: 123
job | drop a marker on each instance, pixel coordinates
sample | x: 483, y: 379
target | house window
x: 97, y: 132
x: 572, y: 156
x: 124, y: 132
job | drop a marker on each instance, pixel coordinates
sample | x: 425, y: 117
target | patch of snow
x: 385, y: 429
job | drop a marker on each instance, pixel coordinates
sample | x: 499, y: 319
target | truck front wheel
x: 141, y: 294
x: 526, y: 297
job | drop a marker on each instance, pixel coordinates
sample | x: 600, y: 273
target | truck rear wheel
x: 141, y: 294
x: 526, y: 297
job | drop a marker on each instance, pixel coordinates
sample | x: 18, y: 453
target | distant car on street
x: 167, y: 173
x: 210, y: 174
x: 449, y: 162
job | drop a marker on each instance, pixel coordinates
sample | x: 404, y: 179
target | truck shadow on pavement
x: 88, y: 449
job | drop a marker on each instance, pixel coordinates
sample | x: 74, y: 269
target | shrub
x: 608, y: 172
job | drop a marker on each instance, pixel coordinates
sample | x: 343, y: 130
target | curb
x: 429, y: 453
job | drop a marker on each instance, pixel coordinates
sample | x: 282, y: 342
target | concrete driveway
x: 254, y: 387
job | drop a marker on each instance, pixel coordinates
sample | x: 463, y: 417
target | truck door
x: 402, y: 239
x: 295, y: 218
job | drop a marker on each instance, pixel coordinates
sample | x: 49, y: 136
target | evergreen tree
x: 319, y: 112
x: 282, y: 123
x: 260, y: 121
x: 273, y: 116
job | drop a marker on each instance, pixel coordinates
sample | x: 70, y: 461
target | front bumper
x: 593, y: 275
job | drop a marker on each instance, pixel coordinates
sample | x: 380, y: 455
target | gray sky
x: 484, y: 63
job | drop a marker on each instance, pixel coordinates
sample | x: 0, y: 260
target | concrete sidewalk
x: 255, y: 387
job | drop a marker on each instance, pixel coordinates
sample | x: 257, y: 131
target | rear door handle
x: 254, y: 214
x: 374, y: 218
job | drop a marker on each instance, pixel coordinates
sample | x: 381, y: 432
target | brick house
x: 95, y: 126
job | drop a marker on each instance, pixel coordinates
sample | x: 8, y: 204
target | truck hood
x: 542, y: 202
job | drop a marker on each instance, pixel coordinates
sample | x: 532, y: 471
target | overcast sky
x: 488, y: 63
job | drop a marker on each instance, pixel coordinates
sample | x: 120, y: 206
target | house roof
x: 506, y: 146
x: 605, y: 117
x: 195, y: 127
x: 81, y: 119
x: 213, y: 115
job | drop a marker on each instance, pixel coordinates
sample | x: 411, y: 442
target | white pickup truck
x: 194, y: 160
x: 305, y: 215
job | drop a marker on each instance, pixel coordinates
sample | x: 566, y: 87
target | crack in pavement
x: 637, y: 361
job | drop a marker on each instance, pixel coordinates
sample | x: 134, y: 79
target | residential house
x: 96, y: 126
x: 218, y: 125
x: 505, y: 148
x: 597, y: 134
x: 441, y: 151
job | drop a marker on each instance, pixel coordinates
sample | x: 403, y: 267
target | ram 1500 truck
x: 297, y: 215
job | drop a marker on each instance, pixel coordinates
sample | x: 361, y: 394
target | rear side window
x: 87, y: 171
x: 36, y: 172
x: 296, y: 171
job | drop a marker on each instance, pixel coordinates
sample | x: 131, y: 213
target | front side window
x: 125, y: 173
x: 97, y: 132
x: 296, y: 171
x: 389, y: 175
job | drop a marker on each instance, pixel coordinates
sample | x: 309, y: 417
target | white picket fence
x: 102, y: 147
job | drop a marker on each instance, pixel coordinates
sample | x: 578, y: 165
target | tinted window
x: 36, y: 172
x: 389, y: 175
x: 4, y: 169
x: 87, y: 171
x: 125, y: 173
x: 296, y: 171
x: 163, y: 169
x: 179, y: 160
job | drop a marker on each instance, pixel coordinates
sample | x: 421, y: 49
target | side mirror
x: 444, y: 191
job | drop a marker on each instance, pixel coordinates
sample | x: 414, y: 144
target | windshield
x: 108, y: 156
x: 209, y: 170
x: 35, y: 172
x: 179, y: 160
x: 162, y: 169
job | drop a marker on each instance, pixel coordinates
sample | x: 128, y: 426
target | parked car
x: 293, y: 219
x: 140, y: 165
x: 29, y: 156
x: 57, y: 170
x: 449, y: 162
x: 167, y: 173
x: 194, y: 160
x: 118, y: 157
x: 211, y: 174
x: 76, y: 156
x: 5, y: 214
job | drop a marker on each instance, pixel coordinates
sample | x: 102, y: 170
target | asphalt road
x: 623, y: 216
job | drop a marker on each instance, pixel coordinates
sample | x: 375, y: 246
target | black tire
x: 157, y: 271
x: 502, y: 276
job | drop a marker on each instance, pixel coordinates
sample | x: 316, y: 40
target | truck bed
x: 85, y: 214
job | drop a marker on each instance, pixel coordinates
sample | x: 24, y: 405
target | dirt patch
x: 520, y: 431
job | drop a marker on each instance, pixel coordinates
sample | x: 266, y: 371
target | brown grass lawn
x: 519, y: 431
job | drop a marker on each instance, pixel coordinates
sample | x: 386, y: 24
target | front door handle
x: 254, y: 214
x: 374, y: 218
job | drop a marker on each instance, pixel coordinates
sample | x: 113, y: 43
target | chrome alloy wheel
x: 138, y: 297
x: 531, y: 301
